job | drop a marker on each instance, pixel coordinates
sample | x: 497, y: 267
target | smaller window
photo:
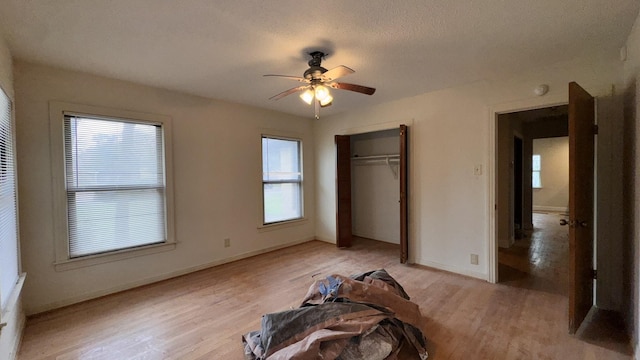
x: 536, y: 180
x: 281, y: 180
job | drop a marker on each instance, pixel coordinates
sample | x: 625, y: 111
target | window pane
x: 535, y: 180
x: 282, y: 202
x: 112, y: 153
x: 101, y: 221
x: 115, y: 185
x: 280, y: 159
x: 535, y: 163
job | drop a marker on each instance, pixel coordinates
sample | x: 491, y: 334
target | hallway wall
x: 554, y: 174
x: 631, y: 197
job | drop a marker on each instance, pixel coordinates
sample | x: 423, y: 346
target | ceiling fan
x: 318, y: 80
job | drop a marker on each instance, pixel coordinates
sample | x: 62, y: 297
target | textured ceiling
x: 221, y: 48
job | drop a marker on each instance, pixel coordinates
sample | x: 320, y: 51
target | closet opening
x: 372, y: 187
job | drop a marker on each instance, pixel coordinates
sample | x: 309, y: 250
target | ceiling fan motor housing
x: 315, y: 70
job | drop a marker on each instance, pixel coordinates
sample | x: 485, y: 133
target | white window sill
x: 91, y: 260
x: 283, y: 224
x: 537, y: 188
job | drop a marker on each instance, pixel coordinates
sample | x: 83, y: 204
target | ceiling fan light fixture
x: 321, y: 92
x: 307, y: 96
x: 326, y: 101
x: 318, y: 81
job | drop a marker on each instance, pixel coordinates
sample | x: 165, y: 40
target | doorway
x: 533, y: 247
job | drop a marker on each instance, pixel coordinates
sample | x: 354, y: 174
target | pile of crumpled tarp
x: 364, y: 316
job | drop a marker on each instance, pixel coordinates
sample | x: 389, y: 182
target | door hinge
x: 594, y: 274
x: 595, y: 129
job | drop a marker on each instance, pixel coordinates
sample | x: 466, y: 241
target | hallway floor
x: 540, y: 261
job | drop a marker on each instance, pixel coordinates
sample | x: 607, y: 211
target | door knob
x: 563, y: 222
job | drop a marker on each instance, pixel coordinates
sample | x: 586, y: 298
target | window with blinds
x: 115, y: 184
x: 8, y: 211
x: 281, y: 180
x: 536, y: 179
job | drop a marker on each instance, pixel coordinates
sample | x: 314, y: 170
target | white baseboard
x: 454, y: 269
x: 153, y: 279
x: 324, y: 239
x: 550, y: 208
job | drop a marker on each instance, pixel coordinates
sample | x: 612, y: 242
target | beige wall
x: 450, y: 132
x: 554, y: 194
x: 217, y: 177
x: 632, y: 181
x: 13, y: 315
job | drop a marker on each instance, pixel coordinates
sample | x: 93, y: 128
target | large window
x: 281, y: 180
x: 536, y: 180
x: 112, y: 174
x: 9, y: 265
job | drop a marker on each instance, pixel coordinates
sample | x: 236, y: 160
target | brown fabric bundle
x: 343, y: 318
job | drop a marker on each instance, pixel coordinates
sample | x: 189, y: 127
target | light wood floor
x: 203, y: 315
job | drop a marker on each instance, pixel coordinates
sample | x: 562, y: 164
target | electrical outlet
x: 227, y: 242
x: 474, y: 259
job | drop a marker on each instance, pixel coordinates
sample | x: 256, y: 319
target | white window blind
x: 8, y: 216
x: 281, y: 180
x: 115, y: 184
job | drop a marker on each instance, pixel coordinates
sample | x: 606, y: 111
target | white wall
x: 632, y: 125
x: 217, y: 174
x: 11, y: 334
x: 451, y: 131
x: 375, y: 190
x: 554, y: 194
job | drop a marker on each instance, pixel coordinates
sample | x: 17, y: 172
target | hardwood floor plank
x: 204, y: 314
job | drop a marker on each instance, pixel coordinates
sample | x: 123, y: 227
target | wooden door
x: 404, y: 221
x: 581, y: 204
x: 343, y: 191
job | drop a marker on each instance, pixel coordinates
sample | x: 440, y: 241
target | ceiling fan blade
x: 287, y: 92
x: 297, y: 78
x: 336, y: 72
x: 353, y: 87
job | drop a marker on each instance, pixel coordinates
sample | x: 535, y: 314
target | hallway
x: 538, y: 261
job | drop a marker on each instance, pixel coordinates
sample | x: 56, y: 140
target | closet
x: 371, y: 187
x: 375, y: 188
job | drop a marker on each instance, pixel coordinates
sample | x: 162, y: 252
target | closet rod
x: 370, y: 157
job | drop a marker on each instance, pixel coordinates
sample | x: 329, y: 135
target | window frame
x: 10, y: 298
x: 539, y: 171
x: 262, y: 223
x: 57, y: 112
